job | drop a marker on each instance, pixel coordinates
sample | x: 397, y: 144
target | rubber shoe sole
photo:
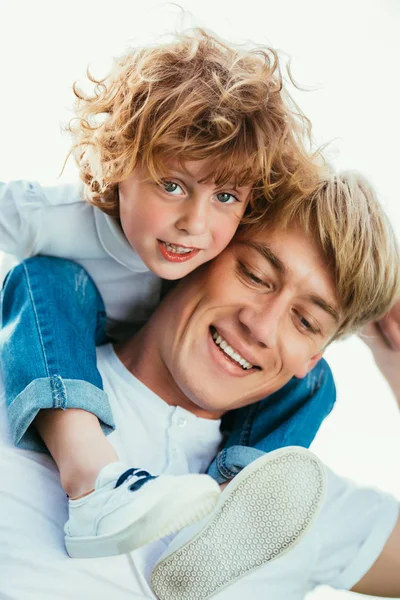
x: 262, y: 513
x: 188, y: 507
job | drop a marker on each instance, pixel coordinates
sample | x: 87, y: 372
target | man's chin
x: 219, y: 405
x: 203, y: 405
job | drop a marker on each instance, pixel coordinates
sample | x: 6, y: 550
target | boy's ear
x: 310, y: 364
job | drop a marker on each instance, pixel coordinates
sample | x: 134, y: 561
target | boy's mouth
x: 175, y: 253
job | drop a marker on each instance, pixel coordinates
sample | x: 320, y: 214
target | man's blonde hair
x: 195, y: 98
x: 345, y: 217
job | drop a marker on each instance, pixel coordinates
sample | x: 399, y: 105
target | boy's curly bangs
x: 193, y: 99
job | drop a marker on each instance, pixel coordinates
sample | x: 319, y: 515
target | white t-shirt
x: 58, y: 221
x: 344, y: 542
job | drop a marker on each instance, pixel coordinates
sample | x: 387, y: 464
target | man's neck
x: 141, y: 357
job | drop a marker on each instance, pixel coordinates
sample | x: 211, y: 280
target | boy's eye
x: 172, y: 188
x: 226, y: 198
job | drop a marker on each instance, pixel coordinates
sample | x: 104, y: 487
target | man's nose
x: 195, y: 216
x: 263, y: 320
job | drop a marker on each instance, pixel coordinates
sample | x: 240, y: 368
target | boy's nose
x: 194, y: 219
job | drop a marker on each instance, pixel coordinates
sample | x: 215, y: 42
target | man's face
x: 241, y: 327
x: 183, y: 222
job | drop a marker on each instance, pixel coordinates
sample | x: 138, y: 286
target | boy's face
x: 240, y: 328
x: 183, y: 223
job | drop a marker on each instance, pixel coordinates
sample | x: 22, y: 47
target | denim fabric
x: 289, y: 417
x: 51, y: 315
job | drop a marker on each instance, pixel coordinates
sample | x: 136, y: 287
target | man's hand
x: 389, y: 326
x: 383, y: 338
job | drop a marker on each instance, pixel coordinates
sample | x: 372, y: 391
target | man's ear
x: 309, y: 365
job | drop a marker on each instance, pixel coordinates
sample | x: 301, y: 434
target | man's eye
x: 172, y: 188
x: 226, y: 198
x: 305, y: 324
x: 249, y: 275
x: 254, y: 278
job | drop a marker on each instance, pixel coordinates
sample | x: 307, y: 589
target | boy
x: 175, y: 147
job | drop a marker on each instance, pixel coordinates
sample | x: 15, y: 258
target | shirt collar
x: 114, y: 242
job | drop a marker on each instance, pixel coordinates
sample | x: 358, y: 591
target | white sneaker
x: 129, y: 509
x: 262, y: 513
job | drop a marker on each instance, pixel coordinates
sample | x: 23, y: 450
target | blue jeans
x: 53, y: 317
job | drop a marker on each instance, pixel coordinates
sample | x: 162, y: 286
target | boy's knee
x: 321, y: 382
x: 44, y: 266
x: 52, y: 277
x: 48, y: 266
x: 324, y: 373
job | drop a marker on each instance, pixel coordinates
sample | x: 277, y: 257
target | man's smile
x: 230, y: 353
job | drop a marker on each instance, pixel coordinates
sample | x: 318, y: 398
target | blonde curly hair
x: 195, y: 98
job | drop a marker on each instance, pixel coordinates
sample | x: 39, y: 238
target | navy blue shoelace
x: 143, y: 477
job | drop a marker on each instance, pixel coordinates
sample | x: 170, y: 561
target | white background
x: 347, y: 51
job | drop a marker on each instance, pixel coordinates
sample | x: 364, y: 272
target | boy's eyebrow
x: 276, y: 262
x: 183, y: 171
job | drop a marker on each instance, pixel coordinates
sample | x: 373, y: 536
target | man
x: 356, y: 537
x: 276, y: 297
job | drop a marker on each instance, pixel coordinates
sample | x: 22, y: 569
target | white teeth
x: 177, y: 249
x: 230, y: 351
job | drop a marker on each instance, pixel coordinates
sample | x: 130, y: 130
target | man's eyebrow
x: 271, y: 257
x: 325, y: 306
x: 266, y: 253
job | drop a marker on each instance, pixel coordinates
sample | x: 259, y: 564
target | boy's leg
x: 52, y: 316
x: 289, y: 417
x: 88, y: 452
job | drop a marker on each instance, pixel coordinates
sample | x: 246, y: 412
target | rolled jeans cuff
x: 230, y: 461
x: 55, y: 392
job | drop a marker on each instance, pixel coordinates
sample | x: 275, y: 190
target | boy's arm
x: 383, y: 578
x: 18, y: 203
x: 40, y: 220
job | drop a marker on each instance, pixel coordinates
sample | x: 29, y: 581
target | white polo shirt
x: 343, y: 543
x: 58, y: 221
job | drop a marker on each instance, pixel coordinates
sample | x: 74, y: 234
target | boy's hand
x: 383, y: 338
